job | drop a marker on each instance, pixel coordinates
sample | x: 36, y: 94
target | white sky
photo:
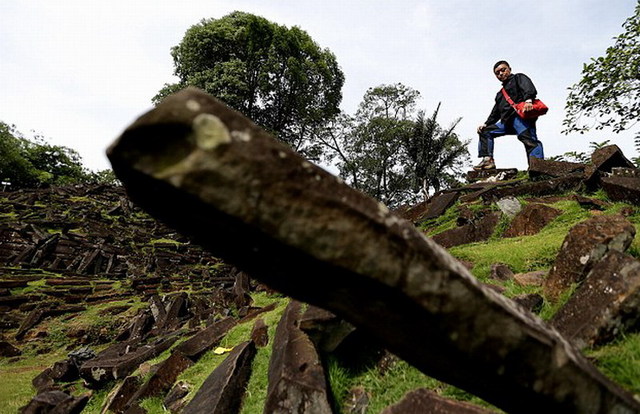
x: 79, y: 72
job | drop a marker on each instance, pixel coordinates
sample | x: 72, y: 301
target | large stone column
x: 212, y: 174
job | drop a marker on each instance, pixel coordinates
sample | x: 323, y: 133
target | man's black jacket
x: 520, y: 88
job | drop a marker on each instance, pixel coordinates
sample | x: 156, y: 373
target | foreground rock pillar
x: 212, y: 174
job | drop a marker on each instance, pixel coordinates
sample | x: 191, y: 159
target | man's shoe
x: 486, y: 164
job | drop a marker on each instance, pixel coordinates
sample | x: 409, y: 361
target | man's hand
x: 481, y: 127
x: 527, y: 106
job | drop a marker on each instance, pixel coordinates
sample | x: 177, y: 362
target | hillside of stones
x: 165, y: 305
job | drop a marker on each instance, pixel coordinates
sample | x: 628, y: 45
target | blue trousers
x: 525, y: 130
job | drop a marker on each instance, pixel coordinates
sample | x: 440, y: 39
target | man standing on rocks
x: 504, y: 120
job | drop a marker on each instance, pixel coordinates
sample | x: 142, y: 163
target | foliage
x: 580, y: 157
x: 277, y: 76
x: 36, y: 163
x: 385, y: 153
x: 609, y: 90
x: 437, y: 156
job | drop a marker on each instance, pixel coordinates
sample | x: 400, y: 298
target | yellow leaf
x: 220, y: 350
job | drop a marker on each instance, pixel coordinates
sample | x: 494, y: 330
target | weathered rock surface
x: 55, y: 402
x: 476, y: 231
x: 121, y: 359
x: 297, y: 383
x: 606, y: 303
x: 360, y: 261
x: 423, y: 400
x: 539, y: 167
x: 501, y: 271
x: 584, y: 245
x: 622, y: 188
x: 223, y: 390
x: 206, y: 339
x: 533, y: 218
x: 603, y: 161
x: 535, y: 278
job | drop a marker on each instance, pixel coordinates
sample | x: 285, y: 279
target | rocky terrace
x: 166, y: 306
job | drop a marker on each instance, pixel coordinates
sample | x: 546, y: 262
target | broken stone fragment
x: 510, y: 206
x: 585, y: 244
x: 501, y: 271
x: 541, y: 168
x: 605, y: 304
x: 260, y: 333
x: 255, y: 203
x: 603, y: 161
x: 8, y: 350
x: 297, y: 382
x: 163, y: 378
x: 535, y: 278
x: 475, y: 231
x: 55, y: 402
x: 622, y: 188
x: 423, y: 400
x: 533, y: 218
x: 222, y: 392
x: 121, y: 394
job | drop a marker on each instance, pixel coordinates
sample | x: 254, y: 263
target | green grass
x: 620, y: 360
x: 17, y: 390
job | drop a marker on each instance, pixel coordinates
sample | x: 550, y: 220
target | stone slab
x: 583, y: 246
x: 606, y: 303
x: 222, y: 392
x: 277, y: 216
x: 297, y: 383
x: 423, y: 400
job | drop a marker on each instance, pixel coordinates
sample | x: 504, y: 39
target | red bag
x: 539, y: 108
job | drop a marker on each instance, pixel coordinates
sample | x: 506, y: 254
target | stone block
x: 605, y: 304
x: 497, y: 174
x: 260, y: 333
x: 535, y: 278
x: 547, y: 168
x: 531, y: 220
x: 476, y: 231
x: 585, y: 244
x: 622, y: 188
x: 297, y: 382
x: 163, y: 378
x: 206, y: 339
x: 222, y: 392
x: 423, y: 400
x: 119, y: 397
x: 7, y: 350
x: 557, y: 185
x: 121, y: 359
x: 501, y: 271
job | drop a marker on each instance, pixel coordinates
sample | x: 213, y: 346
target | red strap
x: 508, y: 98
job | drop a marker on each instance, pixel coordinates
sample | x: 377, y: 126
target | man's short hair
x: 500, y: 62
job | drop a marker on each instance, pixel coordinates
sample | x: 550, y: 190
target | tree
x: 277, y: 76
x: 35, y: 163
x: 437, y: 155
x: 609, y: 91
x: 385, y: 153
x: 14, y: 167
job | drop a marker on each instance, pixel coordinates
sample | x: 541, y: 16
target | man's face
x: 502, y: 72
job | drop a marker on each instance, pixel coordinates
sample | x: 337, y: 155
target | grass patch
x: 620, y: 360
x: 17, y: 390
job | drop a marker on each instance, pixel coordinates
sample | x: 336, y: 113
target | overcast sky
x: 80, y: 72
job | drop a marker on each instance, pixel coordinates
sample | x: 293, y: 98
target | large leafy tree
x: 36, y: 163
x: 277, y: 76
x: 609, y: 91
x: 386, y: 153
